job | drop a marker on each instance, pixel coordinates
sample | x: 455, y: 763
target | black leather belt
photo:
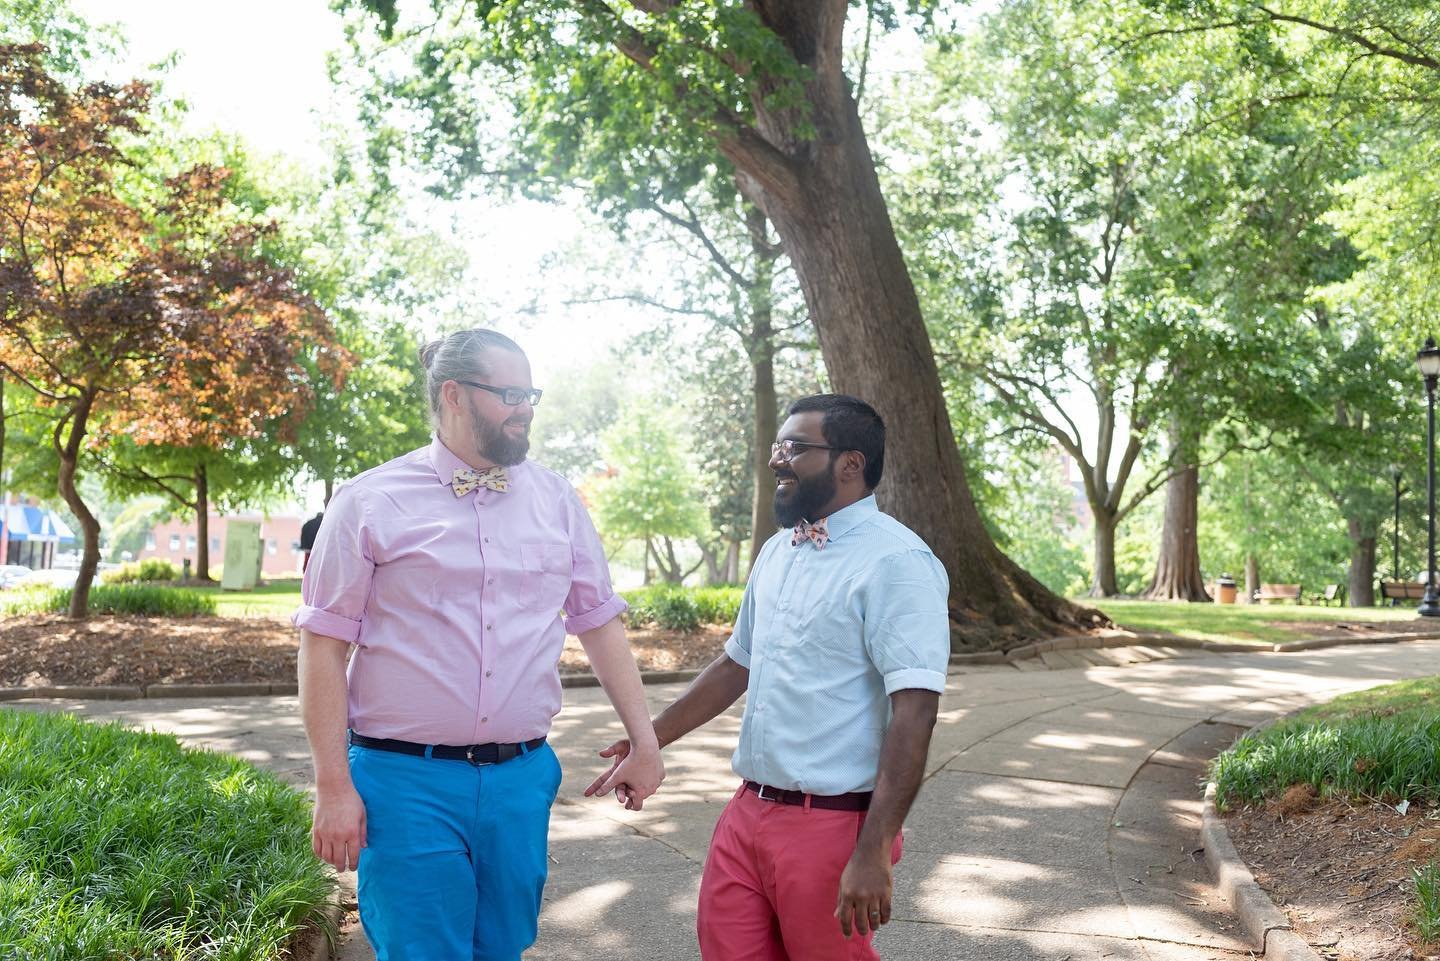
x: 859, y: 801
x: 476, y: 754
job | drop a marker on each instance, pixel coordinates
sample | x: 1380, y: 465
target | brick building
x: 175, y: 541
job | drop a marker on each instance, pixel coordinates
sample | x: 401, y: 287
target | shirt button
x: 489, y: 580
x: 488, y: 673
x: 487, y: 540
x: 484, y: 720
x: 489, y: 627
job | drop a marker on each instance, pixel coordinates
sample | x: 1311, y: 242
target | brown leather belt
x: 859, y: 801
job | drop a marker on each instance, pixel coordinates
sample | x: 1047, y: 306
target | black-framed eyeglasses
x: 787, y: 449
x: 509, y: 396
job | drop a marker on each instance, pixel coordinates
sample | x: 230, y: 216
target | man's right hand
x: 338, y: 831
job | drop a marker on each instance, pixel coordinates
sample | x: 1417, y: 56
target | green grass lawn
x: 1260, y: 623
x: 121, y: 844
x: 271, y: 599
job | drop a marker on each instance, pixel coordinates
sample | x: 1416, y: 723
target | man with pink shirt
x: 442, y: 577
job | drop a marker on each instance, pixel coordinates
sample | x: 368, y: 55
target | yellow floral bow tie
x: 817, y: 533
x: 466, y: 480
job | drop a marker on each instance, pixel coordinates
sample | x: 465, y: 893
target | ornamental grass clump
x: 121, y: 844
x: 1382, y: 744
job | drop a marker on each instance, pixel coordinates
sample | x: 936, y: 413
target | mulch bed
x: 49, y: 649
x: 1342, y: 870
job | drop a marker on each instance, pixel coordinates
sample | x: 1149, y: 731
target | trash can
x: 1225, y: 589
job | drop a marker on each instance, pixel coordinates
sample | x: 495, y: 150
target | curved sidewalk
x: 1059, y: 820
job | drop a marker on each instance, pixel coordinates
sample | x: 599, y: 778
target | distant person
x: 308, y: 530
x: 445, y: 572
x: 840, y: 649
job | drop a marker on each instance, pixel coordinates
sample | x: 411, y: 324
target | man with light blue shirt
x: 841, y: 647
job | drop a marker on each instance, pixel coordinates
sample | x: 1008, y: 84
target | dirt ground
x: 48, y: 649
x: 1342, y: 871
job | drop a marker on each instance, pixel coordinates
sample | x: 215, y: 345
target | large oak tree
x: 764, y: 82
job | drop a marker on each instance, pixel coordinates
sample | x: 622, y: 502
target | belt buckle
x: 761, y: 794
x: 470, y: 756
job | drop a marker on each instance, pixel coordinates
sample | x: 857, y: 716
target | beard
x: 804, y: 499
x: 493, y: 444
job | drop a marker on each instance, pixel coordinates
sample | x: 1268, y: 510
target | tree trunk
x: 202, y: 524
x: 1252, y: 577
x: 69, y: 454
x: 1362, y: 563
x: 732, y: 562
x: 329, y: 490
x: 760, y: 346
x: 671, y: 568
x: 1102, y: 566
x: 823, y: 196
x: 711, y: 557
x: 1177, y: 573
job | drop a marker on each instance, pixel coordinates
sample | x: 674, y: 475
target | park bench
x: 1332, y: 592
x: 1402, y: 590
x: 1275, y: 593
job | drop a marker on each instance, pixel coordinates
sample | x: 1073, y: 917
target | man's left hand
x: 865, y: 889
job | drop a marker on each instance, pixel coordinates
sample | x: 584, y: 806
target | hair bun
x: 428, y: 352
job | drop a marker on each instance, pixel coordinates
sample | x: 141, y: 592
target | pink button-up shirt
x: 454, y: 603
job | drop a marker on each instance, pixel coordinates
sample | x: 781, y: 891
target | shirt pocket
x: 545, y: 570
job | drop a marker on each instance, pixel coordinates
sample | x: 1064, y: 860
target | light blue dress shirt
x: 827, y: 636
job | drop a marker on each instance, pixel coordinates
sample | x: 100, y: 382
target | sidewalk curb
x: 1072, y: 642
x: 322, y: 946
x: 150, y: 691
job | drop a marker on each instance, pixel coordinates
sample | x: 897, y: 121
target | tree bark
x: 329, y: 490
x: 823, y: 196
x: 1177, y: 573
x: 202, y: 524
x: 1102, y: 564
x: 68, y: 451
x: 760, y: 346
x: 1362, y: 563
x: 732, y: 562
x: 1252, y: 577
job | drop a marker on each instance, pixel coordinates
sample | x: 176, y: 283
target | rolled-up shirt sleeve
x: 907, y: 621
x: 592, y: 602
x: 336, y: 586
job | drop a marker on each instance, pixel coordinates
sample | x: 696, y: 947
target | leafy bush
x: 139, y: 599
x: 149, y: 570
x: 116, y: 843
x: 1383, y: 743
x: 675, y: 607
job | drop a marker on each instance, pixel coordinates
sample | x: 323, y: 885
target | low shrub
x: 675, y: 607
x: 149, y: 570
x: 116, y: 843
x: 141, y: 599
x: 1383, y: 744
x: 1427, y: 902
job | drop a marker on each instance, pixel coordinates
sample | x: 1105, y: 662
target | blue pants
x: 455, y: 861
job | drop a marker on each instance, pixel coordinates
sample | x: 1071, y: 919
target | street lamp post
x: 1428, y: 360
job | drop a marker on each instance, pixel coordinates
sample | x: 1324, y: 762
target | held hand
x: 865, y: 889
x: 338, y: 831
x: 619, y: 751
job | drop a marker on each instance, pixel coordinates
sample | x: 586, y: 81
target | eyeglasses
x: 509, y: 396
x: 787, y: 449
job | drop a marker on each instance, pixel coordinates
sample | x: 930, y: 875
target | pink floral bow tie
x: 816, y: 533
x: 465, y: 480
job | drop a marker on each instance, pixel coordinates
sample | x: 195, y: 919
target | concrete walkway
x: 1059, y: 819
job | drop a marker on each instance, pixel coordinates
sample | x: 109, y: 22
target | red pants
x: 771, y: 881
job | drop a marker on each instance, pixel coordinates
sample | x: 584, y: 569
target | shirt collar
x: 446, y: 462
x: 850, y: 517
